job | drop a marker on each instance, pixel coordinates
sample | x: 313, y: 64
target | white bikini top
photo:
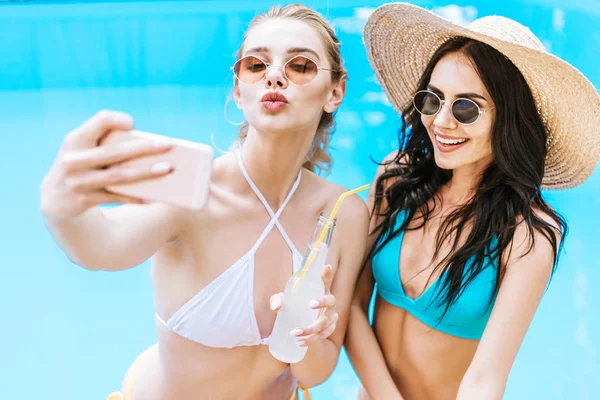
x: 222, y: 313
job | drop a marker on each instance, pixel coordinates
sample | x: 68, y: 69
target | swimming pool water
x: 71, y: 334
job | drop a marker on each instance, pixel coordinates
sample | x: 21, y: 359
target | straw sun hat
x: 401, y: 38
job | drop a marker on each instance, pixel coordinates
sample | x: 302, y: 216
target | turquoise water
x: 71, y: 334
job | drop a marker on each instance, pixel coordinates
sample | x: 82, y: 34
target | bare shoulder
x: 392, y: 156
x: 352, y: 207
x: 389, y: 163
x: 352, y: 218
x: 532, y: 246
x: 353, y: 214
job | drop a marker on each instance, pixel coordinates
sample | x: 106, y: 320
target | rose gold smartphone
x: 186, y: 186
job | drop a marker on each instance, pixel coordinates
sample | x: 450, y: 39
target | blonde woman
x: 215, y: 271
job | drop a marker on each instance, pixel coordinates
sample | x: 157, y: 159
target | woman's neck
x: 273, y: 161
x: 462, y: 186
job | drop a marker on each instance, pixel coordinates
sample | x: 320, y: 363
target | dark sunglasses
x: 465, y: 111
x: 300, y: 70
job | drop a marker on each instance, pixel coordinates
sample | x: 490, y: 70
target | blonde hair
x: 318, y: 159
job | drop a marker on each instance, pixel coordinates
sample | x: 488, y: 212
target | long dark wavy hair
x: 509, y: 189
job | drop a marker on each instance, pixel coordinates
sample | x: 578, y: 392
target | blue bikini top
x: 466, y: 318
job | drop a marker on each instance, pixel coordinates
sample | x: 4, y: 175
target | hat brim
x: 401, y: 38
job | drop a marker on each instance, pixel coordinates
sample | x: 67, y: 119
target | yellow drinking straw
x: 313, y: 253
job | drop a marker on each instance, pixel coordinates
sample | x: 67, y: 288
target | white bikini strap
x: 162, y: 321
x: 274, y: 216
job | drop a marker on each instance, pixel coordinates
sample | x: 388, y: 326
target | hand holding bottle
x: 325, y: 324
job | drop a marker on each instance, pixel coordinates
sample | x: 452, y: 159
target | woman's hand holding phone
x: 82, y: 171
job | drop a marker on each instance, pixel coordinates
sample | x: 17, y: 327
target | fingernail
x: 301, y: 342
x: 296, y: 332
x: 314, y: 303
x: 161, y: 167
